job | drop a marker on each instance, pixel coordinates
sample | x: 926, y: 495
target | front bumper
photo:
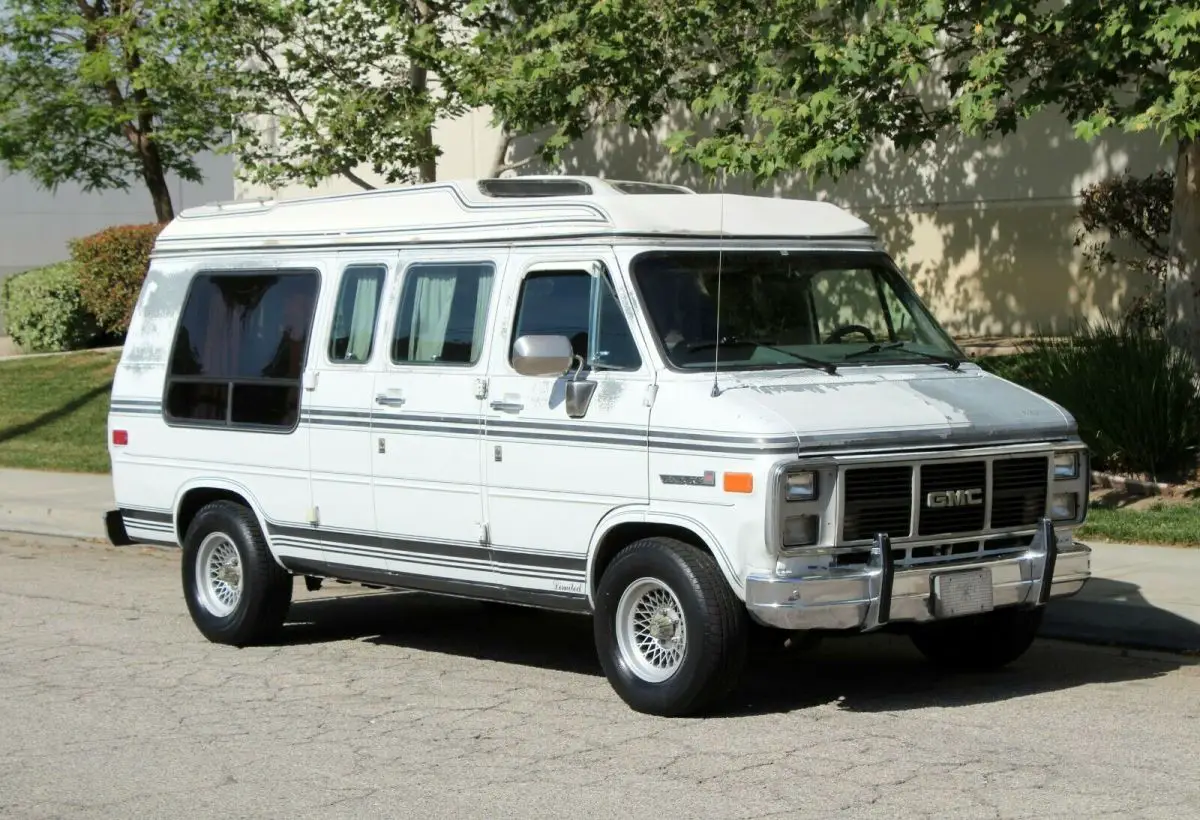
x: 881, y: 593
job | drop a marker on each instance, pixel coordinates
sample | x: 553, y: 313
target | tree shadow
x: 51, y: 416
x: 985, y: 228
x: 862, y: 673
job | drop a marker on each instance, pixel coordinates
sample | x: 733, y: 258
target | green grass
x: 53, y: 412
x: 1177, y: 524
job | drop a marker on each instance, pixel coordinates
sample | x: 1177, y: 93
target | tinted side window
x: 240, y: 349
x: 583, y: 308
x: 353, y: 333
x: 442, y: 315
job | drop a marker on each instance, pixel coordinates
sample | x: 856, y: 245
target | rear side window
x: 240, y: 349
x: 354, y: 318
x: 443, y: 313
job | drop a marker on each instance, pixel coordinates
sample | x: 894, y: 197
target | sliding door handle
x: 388, y: 401
x: 507, y: 406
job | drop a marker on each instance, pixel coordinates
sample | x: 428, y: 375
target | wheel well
x: 195, y: 500
x: 623, y: 535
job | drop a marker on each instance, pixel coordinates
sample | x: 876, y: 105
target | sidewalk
x: 1143, y: 597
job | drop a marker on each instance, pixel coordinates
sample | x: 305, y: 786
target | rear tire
x: 670, y: 633
x: 235, y: 591
x: 978, y: 643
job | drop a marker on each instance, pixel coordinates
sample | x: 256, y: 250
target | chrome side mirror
x: 542, y: 355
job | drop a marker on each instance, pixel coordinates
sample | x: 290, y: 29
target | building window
x: 240, y: 349
x: 352, y: 336
x: 443, y: 313
x: 582, y: 307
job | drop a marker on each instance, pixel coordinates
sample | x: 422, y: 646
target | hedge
x: 112, y: 265
x: 44, y: 310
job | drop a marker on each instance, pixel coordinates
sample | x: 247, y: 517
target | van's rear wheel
x: 670, y: 634
x: 235, y: 591
x: 978, y: 643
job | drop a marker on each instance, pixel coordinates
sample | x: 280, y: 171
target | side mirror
x: 542, y: 355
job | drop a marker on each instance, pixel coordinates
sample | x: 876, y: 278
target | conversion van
x: 688, y: 416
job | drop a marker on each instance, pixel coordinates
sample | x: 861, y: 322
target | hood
x: 893, y: 407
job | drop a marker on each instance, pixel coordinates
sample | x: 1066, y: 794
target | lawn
x: 1175, y: 522
x: 54, y: 410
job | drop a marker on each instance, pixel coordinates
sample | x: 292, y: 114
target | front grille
x: 877, y: 499
x: 949, y: 483
x: 1019, y: 491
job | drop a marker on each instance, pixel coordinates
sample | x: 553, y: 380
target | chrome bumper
x: 881, y: 593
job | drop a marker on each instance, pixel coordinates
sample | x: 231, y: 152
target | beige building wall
x: 985, y: 230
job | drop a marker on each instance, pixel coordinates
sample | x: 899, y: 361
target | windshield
x: 782, y: 308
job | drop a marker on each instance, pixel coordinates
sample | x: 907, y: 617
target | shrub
x: 1134, y: 396
x: 44, y: 312
x: 112, y: 265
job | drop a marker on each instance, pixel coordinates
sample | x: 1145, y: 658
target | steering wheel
x: 845, y: 330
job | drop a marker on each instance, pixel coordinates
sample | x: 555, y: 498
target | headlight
x: 1066, y: 466
x: 801, y: 486
x: 800, y: 531
x: 1064, y: 506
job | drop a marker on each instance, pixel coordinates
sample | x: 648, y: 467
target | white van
x: 689, y: 416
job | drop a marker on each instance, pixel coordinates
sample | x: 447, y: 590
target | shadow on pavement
x: 1116, y: 612
x: 867, y: 673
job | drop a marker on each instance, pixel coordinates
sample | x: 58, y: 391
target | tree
x: 103, y: 92
x: 813, y: 85
x: 338, y: 84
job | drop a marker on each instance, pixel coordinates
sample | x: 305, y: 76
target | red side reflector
x: 120, y: 437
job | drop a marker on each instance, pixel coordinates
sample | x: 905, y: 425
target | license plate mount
x: 965, y: 592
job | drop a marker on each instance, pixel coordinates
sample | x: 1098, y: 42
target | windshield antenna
x: 716, y: 388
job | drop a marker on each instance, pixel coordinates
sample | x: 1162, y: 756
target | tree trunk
x: 428, y: 166
x: 1183, y: 267
x: 156, y: 181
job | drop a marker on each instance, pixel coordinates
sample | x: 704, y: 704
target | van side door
x: 338, y: 403
x: 426, y: 424
x: 552, y: 475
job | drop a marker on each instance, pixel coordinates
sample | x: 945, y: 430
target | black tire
x: 979, y: 643
x: 714, y: 621
x: 266, y: 590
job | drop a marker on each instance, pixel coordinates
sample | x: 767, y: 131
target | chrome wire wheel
x: 651, y: 633
x: 219, y: 576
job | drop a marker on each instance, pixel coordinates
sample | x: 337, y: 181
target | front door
x: 426, y: 423
x: 551, y: 478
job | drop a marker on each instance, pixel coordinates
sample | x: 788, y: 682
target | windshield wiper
x: 734, y: 341
x: 949, y: 361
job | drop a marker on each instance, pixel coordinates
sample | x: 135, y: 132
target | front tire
x: 978, y: 643
x: 670, y: 633
x: 235, y: 592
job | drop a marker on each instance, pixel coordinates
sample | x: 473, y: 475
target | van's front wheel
x: 670, y: 634
x: 235, y: 592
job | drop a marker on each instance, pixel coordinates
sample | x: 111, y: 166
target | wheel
x: 235, y: 591
x: 670, y: 633
x: 979, y: 642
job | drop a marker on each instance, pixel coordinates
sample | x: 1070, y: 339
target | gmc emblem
x: 954, y: 498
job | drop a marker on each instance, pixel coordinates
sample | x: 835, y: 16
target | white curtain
x: 431, y: 314
x: 482, y: 297
x: 362, y: 320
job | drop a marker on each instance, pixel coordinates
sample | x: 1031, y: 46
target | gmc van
x: 688, y: 416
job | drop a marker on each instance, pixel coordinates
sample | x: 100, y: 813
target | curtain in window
x: 362, y: 320
x: 483, y: 295
x: 431, y: 314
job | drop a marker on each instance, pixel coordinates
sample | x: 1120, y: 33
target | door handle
x: 507, y: 406
x: 388, y: 401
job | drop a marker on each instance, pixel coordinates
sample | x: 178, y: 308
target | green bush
x: 1135, y: 397
x: 112, y: 266
x: 43, y: 310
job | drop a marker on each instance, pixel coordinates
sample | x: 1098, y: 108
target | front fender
x: 643, y: 515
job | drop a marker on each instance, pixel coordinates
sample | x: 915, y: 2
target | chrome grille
x: 877, y: 499
x: 1019, y: 491
x: 952, y: 476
